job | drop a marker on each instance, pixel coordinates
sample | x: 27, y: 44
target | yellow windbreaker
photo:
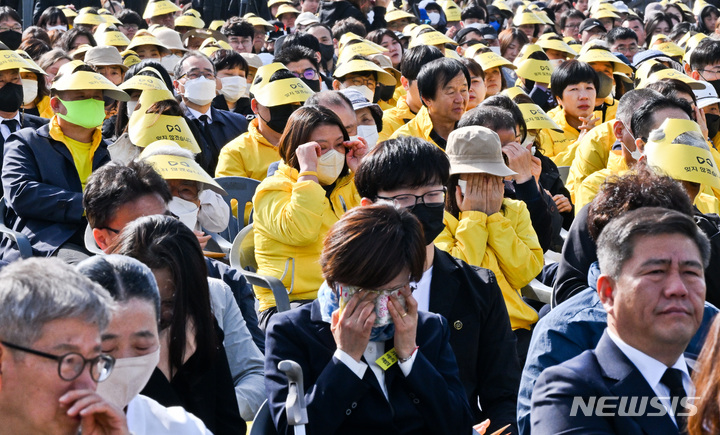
x: 591, y: 155
x: 248, y: 155
x: 395, y: 118
x: 291, y: 220
x: 590, y: 186
x: 420, y: 126
x: 560, y: 147
x: 505, y: 243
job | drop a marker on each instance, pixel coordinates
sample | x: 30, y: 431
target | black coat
x: 333, y: 11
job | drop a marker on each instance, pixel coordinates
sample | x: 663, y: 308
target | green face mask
x: 88, y: 113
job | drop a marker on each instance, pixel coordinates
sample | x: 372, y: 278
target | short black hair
x: 414, y: 59
x: 492, y: 117
x: 237, y: 26
x: 67, y: 39
x: 673, y: 88
x: 129, y: 16
x: 506, y: 103
x: 225, y: 59
x: 50, y: 16
x: 705, y: 54
x: 404, y: 162
x: 654, y: 20
x: 114, y: 185
x: 643, y: 120
x: 477, y: 12
x: 437, y: 74
x: 572, y: 72
x: 305, y: 40
x: 6, y: 12
x: 570, y: 13
x: 346, y: 25
x: 617, y: 33
x: 178, y: 72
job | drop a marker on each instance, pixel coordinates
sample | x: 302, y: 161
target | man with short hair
x: 51, y: 318
x: 240, y: 34
x: 591, y: 28
x: 412, y: 173
x: 196, y: 83
x: 569, y: 23
x: 652, y: 286
x: 333, y: 11
x: 623, y: 40
x: 634, y: 23
x: 443, y: 85
x: 45, y: 170
x: 303, y: 63
x: 408, y: 105
x: 161, y: 12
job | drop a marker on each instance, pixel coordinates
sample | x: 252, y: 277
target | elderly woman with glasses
x: 370, y: 360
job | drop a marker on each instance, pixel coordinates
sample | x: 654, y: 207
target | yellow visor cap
x: 146, y: 128
x: 162, y: 7
x: 360, y: 66
x: 535, y: 70
x: 143, y: 83
x: 681, y: 161
x: 491, y: 60
x: 536, y: 118
x: 180, y: 168
x: 284, y: 91
x: 12, y: 60
x: 83, y: 80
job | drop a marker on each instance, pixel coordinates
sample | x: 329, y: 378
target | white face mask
x: 364, y: 90
x: 233, y: 87
x: 463, y: 185
x: 434, y: 18
x: 200, y: 91
x: 130, y: 107
x: 529, y: 139
x: 128, y: 377
x: 634, y: 154
x: 370, y: 134
x: 556, y: 62
x: 169, y: 62
x: 329, y: 166
x: 186, y: 211
x: 495, y: 50
x: 30, y: 90
x: 60, y: 27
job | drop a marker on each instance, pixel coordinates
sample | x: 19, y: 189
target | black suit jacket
x: 225, y: 127
x: 481, y: 337
x: 26, y: 120
x: 430, y: 400
x: 604, y: 371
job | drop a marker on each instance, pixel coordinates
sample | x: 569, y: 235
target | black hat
x: 589, y: 23
x: 488, y: 31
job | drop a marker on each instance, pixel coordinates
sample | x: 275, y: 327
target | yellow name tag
x: 387, y: 360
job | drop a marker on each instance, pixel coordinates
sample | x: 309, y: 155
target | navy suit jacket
x: 43, y: 192
x: 225, y: 127
x: 604, y: 371
x: 481, y: 337
x: 431, y: 400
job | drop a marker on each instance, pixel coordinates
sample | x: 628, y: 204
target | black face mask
x: 715, y: 84
x: 713, y: 124
x: 327, y: 51
x: 11, y: 97
x: 11, y: 38
x: 279, y: 116
x: 431, y: 219
x: 313, y: 84
x: 384, y: 93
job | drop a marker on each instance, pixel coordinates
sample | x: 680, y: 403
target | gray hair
x: 329, y: 98
x: 616, y: 244
x: 630, y: 101
x: 36, y: 291
x: 124, y: 278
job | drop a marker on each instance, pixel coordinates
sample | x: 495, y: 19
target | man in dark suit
x: 45, y: 170
x: 636, y: 380
x: 467, y: 296
x: 197, y: 84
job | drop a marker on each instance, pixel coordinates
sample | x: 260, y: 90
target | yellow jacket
x: 560, y: 147
x: 503, y: 242
x: 291, y: 220
x: 420, y: 126
x: 591, y: 155
x: 611, y: 105
x: 395, y: 118
x: 590, y: 186
x: 248, y: 155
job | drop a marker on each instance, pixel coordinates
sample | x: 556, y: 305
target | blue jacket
x: 603, y: 372
x: 431, y: 400
x: 43, y: 192
x: 225, y: 127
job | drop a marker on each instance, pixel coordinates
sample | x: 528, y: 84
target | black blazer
x: 43, y: 192
x: 225, y: 127
x: 26, y: 120
x: 480, y: 336
x: 604, y: 371
x: 430, y: 400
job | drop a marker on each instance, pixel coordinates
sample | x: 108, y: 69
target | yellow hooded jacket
x: 291, y: 220
x: 395, y: 118
x: 504, y: 242
x: 560, y: 147
x: 248, y: 155
x: 591, y: 155
x: 420, y: 126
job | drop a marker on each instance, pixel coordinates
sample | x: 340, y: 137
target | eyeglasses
x: 308, y: 74
x: 711, y: 71
x: 196, y: 75
x: 434, y: 198
x: 572, y: 26
x: 71, y: 365
x: 130, y: 27
x: 359, y: 81
x: 15, y: 28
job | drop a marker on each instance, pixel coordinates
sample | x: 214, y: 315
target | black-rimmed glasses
x: 71, y: 365
x: 433, y: 198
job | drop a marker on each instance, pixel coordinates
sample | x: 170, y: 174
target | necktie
x: 11, y: 124
x: 673, y: 380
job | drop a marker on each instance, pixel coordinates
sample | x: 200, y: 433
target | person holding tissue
x: 370, y: 359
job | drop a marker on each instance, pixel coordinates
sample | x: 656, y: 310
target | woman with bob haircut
x: 574, y: 85
x: 364, y: 308
x: 296, y: 206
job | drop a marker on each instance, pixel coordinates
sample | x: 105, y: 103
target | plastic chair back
x: 240, y: 189
x: 262, y: 423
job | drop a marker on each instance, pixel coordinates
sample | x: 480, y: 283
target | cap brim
x: 497, y: 169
